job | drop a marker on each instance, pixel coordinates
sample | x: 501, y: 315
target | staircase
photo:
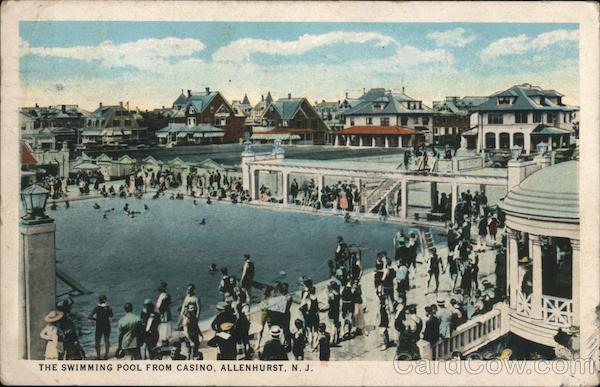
x: 384, y: 189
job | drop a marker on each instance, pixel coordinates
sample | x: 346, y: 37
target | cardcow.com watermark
x: 496, y: 367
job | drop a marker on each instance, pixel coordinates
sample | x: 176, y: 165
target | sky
x: 149, y: 63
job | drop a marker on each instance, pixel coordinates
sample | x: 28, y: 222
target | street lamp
x: 34, y: 200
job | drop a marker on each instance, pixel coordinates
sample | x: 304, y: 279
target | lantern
x: 515, y: 152
x: 542, y: 148
x: 34, y: 200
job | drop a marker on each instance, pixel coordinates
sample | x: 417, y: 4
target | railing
x: 384, y: 189
x: 557, y: 311
x: 469, y: 163
x: 524, y: 304
x: 469, y: 336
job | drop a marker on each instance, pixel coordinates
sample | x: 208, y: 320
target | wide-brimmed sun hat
x: 275, y: 331
x: 53, y: 316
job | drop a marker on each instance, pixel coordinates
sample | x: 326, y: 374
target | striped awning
x: 275, y: 136
x: 182, y: 135
x: 162, y: 135
x: 213, y: 134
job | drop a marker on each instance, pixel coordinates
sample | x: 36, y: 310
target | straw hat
x: 524, y: 260
x: 275, y: 331
x: 53, y: 316
x: 226, y: 326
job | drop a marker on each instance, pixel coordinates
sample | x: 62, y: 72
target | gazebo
x: 542, y: 222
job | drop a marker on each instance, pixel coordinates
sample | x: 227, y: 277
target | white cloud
x: 242, y: 49
x: 520, y: 44
x: 548, y: 38
x: 143, y: 54
x: 458, y: 37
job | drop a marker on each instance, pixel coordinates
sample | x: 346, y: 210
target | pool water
x: 125, y: 258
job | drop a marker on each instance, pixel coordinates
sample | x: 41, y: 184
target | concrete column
x: 550, y: 143
x: 37, y: 282
x: 348, y: 141
x: 404, y: 199
x: 497, y: 142
x: 454, y: 193
x: 399, y: 141
x: 286, y: 186
x: 373, y: 142
x: 512, y: 258
x: 387, y: 142
x: 254, y: 184
x: 535, y: 250
x: 337, y: 140
x: 511, y: 140
x: 527, y: 144
x: 575, y: 281
x: 360, y: 141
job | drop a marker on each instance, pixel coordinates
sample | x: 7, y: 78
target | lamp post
x: 37, y: 271
x: 542, y: 148
x: 34, y: 200
x: 515, y: 152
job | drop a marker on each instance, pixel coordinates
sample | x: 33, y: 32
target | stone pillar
x: 320, y: 185
x: 387, y: 142
x: 404, y: 199
x: 348, y: 141
x: 337, y: 140
x: 254, y: 187
x: 575, y: 281
x: 512, y: 260
x: 433, y: 195
x: 535, y: 250
x: 399, y: 141
x: 360, y: 141
x: 454, y: 193
x: 37, y: 282
x: 373, y: 142
x: 286, y: 186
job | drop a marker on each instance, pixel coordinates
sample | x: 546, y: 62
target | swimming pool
x: 125, y: 258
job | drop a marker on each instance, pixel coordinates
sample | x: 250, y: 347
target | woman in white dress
x: 51, y: 335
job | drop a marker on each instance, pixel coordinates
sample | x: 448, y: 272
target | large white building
x: 523, y: 115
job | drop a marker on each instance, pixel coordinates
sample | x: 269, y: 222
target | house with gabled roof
x: 290, y: 119
x: 452, y: 118
x: 523, y: 115
x: 112, y: 125
x: 208, y: 108
x: 379, y: 108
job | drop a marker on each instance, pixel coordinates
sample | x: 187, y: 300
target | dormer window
x: 377, y: 107
x: 191, y: 121
x: 505, y: 101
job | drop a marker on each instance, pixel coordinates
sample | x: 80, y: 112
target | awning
x: 162, y: 135
x: 214, y: 134
x: 182, y: 135
x: 113, y: 133
x: 127, y: 132
x: 198, y: 135
x: 87, y: 166
x: 550, y: 131
x: 91, y: 133
x: 275, y: 136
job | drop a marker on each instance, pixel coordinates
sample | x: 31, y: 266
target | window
x: 385, y: 121
x: 127, y: 122
x: 284, y: 123
x: 521, y: 117
x: 495, y: 118
x: 116, y: 123
x: 504, y: 140
x: 403, y: 120
x: 435, y: 130
x: 537, y: 117
x: 377, y: 107
x: 550, y: 117
x: 351, y: 121
x: 191, y: 121
x: 425, y: 120
x: 490, y: 140
x: 504, y: 100
x: 369, y: 121
x: 519, y: 139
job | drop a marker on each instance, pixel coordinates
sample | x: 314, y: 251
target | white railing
x: 557, y: 311
x: 524, y: 304
x: 470, y: 336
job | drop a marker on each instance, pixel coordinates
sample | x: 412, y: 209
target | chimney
x: 121, y: 104
x: 163, y: 107
x: 289, y: 95
x: 100, y: 104
x: 63, y: 108
x: 36, y: 105
x: 346, y: 95
x: 364, y: 90
x: 207, y: 90
x: 262, y: 97
x: 402, y: 89
x: 189, y: 93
